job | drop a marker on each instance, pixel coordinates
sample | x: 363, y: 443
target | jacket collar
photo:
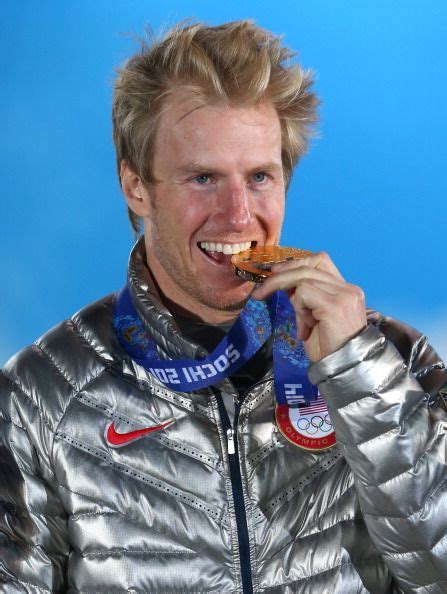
x: 157, y: 319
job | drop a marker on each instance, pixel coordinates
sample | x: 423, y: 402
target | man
x: 120, y: 474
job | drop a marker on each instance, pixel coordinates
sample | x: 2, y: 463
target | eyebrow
x: 196, y: 167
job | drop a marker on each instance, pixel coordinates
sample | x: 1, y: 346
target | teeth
x: 225, y: 248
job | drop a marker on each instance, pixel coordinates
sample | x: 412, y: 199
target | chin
x: 233, y: 306
x: 228, y: 301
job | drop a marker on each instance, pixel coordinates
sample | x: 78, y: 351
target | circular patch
x: 307, y: 429
x: 256, y: 263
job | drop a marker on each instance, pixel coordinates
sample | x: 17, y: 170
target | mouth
x: 221, y: 252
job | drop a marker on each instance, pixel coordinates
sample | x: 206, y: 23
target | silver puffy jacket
x: 175, y: 512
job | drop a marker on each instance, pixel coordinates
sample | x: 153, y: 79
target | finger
x: 305, y: 315
x: 305, y: 323
x: 289, y: 280
x: 314, y: 296
x: 319, y: 261
x: 318, y: 296
x: 303, y: 332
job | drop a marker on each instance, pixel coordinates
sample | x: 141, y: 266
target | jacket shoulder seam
x: 76, y: 327
x: 76, y: 323
x: 51, y: 359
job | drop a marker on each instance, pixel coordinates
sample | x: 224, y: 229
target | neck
x: 207, y: 315
x: 201, y: 312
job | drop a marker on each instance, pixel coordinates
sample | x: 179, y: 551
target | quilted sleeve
x: 33, y: 528
x: 384, y: 393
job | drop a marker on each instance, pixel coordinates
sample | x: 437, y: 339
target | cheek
x: 186, y: 220
x: 273, y: 212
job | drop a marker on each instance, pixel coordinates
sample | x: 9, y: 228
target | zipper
x: 230, y: 441
x: 236, y: 483
x: 231, y: 433
x: 238, y: 493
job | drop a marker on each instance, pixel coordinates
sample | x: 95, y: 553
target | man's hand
x: 329, y: 311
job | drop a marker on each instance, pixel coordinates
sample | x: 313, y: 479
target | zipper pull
x: 230, y: 440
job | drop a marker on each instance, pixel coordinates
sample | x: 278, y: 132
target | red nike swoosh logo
x: 116, y: 439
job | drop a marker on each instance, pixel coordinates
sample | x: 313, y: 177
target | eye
x: 259, y: 177
x: 202, y: 179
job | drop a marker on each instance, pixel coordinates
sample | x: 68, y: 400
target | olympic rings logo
x: 316, y: 423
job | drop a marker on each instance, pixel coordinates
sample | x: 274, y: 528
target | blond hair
x: 238, y: 63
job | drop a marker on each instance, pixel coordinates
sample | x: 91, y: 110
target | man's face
x: 219, y: 189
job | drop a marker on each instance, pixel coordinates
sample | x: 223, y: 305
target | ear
x: 137, y: 196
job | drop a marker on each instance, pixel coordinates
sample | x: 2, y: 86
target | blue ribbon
x: 252, y: 328
x: 290, y: 362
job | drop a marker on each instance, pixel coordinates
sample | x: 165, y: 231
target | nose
x: 234, y: 207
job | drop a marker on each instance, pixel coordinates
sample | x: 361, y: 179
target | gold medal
x: 255, y: 264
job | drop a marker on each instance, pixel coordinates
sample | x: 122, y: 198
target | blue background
x: 371, y: 191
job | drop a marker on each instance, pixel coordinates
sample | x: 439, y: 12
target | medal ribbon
x: 252, y: 328
x: 290, y: 362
